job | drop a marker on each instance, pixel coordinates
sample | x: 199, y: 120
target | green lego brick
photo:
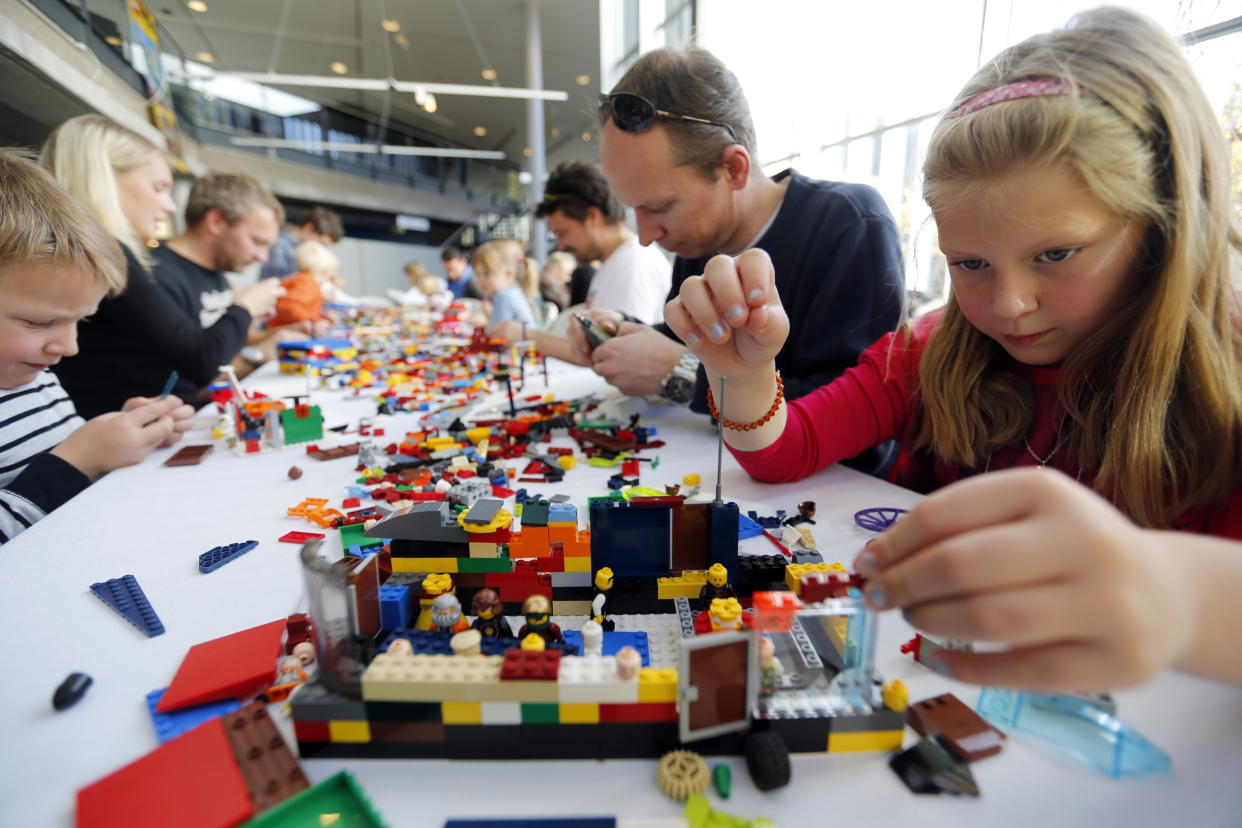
x: 607, y: 462
x: 302, y: 429
x: 355, y: 534
x: 339, y: 795
x: 535, y: 513
x: 484, y: 565
x: 537, y: 713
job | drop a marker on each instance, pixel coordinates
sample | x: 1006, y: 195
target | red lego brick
x: 312, y: 731
x: 299, y: 537
x: 820, y: 586
x: 647, y: 712
x: 629, y: 468
x: 192, y: 781
x: 774, y: 611
x: 531, y: 665
x: 230, y: 667
x: 351, y: 503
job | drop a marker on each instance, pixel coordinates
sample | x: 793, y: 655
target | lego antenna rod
x: 720, y: 440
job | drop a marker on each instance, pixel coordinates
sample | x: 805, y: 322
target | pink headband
x: 1013, y: 92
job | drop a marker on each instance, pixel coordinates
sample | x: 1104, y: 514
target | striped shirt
x: 34, y: 418
x: 510, y: 303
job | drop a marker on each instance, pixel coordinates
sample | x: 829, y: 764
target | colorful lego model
x: 218, y: 556
x: 538, y: 612
x: 963, y: 731
x: 717, y: 586
x: 1077, y: 727
x: 126, y: 597
x: 603, y: 583
x: 70, y: 691
x: 289, y: 677
x: 489, y: 615
x: 302, y: 423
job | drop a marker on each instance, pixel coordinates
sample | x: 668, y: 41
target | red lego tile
x: 351, y: 503
x: 189, y: 781
x: 312, y: 731
x: 531, y: 665
x: 298, y: 537
x: 230, y: 667
x: 648, y: 712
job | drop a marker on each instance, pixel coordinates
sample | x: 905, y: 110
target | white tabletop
x: 153, y: 522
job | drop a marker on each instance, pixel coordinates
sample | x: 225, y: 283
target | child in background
x: 56, y: 265
x: 495, y: 273
x: 304, y: 290
x: 415, y: 272
x: 1080, y: 185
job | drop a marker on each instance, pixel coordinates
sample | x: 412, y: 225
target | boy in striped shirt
x: 56, y: 264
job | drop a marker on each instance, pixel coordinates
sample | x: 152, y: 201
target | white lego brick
x: 593, y: 679
x: 571, y: 579
x: 431, y: 678
x: 501, y: 713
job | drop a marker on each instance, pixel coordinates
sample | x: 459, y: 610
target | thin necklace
x: 1042, y: 461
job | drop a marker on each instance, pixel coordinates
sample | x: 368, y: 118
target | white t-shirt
x: 633, y: 280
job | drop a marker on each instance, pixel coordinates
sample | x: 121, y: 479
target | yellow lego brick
x: 482, y: 550
x: 432, y: 678
x: 691, y: 480
x: 896, y: 695
x: 458, y: 712
x: 501, y: 520
x: 571, y: 607
x: 424, y: 564
x: 577, y: 563
x: 794, y: 573
x: 867, y: 740
x: 476, y: 435
x: 349, y: 731
x: 574, y: 713
x: 567, y: 461
x: 657, y: 685
x: 686, y: 585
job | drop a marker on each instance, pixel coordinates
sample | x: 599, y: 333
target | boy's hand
x: 119, y: 438
x: 731, y: 316
x: 182, y: 415
x: 1083, y: 598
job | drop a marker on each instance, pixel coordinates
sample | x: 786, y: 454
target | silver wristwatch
x: 678, y: 384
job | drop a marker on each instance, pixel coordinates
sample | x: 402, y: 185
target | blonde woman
x: 135, y: 340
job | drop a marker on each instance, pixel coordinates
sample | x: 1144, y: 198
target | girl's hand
x: 731, y: 316
x: 1083, y: 599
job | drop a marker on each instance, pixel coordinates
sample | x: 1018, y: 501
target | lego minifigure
x: 538, y: 612
x: 305, y: 653
x: 603, y: 583
x: 770, y: 669
x: 717, y: 586
x: 489, y: 614
x: 592, y: 639
x: 446, y: 614
x: 534, y: 643
x: 629, y: 663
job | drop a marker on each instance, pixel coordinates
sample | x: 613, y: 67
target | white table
x: 153, y: 522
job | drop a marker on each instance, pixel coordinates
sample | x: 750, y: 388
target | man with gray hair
x: 677, y: 144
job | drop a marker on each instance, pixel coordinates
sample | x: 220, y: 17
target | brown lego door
x: 718, y: 679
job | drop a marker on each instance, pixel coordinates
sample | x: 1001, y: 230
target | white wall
x: 371, y: 267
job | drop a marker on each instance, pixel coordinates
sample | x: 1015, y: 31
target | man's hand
x: 637, y: 359
x: 609, y: 320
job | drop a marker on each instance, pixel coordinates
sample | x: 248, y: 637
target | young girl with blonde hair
x: 1080, y: 186
x: 495, y: 273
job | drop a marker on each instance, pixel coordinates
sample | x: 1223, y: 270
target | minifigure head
x: 445, y: 610
x: 289, y: 664
x: 807, y: 508
x: 592, y: 638
x: 629, y: 662
x: 467, y: 643
x: 538, y: 611
x: 305, y: 653
x: 717, y: 575
x: 486, y: 604
x: 603, y: 578
x: 534, y: 643
x: 400, y: 646
x: 767, y: 650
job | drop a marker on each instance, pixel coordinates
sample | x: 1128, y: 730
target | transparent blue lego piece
x: 1076, y: 727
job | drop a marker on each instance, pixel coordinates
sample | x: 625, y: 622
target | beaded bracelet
x: 732, y: 426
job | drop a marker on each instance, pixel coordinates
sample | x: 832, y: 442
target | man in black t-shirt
x: 231, y: 221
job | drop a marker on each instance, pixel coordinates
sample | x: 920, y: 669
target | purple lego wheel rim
x: 878, y: 518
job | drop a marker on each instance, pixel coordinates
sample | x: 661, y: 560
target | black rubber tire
x: 767, y: 759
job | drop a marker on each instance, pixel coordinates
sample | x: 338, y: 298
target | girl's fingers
x: 1025, y: 617
x: 1083, y: 665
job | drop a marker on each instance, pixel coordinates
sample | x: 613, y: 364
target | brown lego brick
x: 334, y: 453
x: 964, y: 730
x: 270, y: 769
x: 189, y: 455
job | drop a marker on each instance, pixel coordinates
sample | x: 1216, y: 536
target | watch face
x: 679, y: 389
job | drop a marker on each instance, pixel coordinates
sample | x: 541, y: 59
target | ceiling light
x: 480, y: 132
x: 338, y: 67
x: 205, y: 57
x: 369, y: 149
x: 488, y: 74
x: 384, y: 84
x: 526, y: 151
x: 112, y: 40
x: 390, y: 26
x: 555, y: 132
x: 583, y: 80
x: 430, y: 104
x: 586, y: 136
x: 197, y: 5
x: 400, y: 40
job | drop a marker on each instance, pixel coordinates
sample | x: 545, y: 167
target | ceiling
x: 440, y: 41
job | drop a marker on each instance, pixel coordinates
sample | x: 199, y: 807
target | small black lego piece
x: 931, y: 767
x: 71, y: 691
x: 806, y: 511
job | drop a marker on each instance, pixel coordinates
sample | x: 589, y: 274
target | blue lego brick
x: 562, y: 513
x: 723, y: 538
x: 613, y: 641
x: 126, y: 597
x: 766, y: 522
x: 633, y: 540
x: 357, y: 491
x: 747, y: 528
x: 171, y: 725
x: 213, y: 559
x: 394, y: 607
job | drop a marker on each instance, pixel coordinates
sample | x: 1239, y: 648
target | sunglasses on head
x: 634, y: 113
